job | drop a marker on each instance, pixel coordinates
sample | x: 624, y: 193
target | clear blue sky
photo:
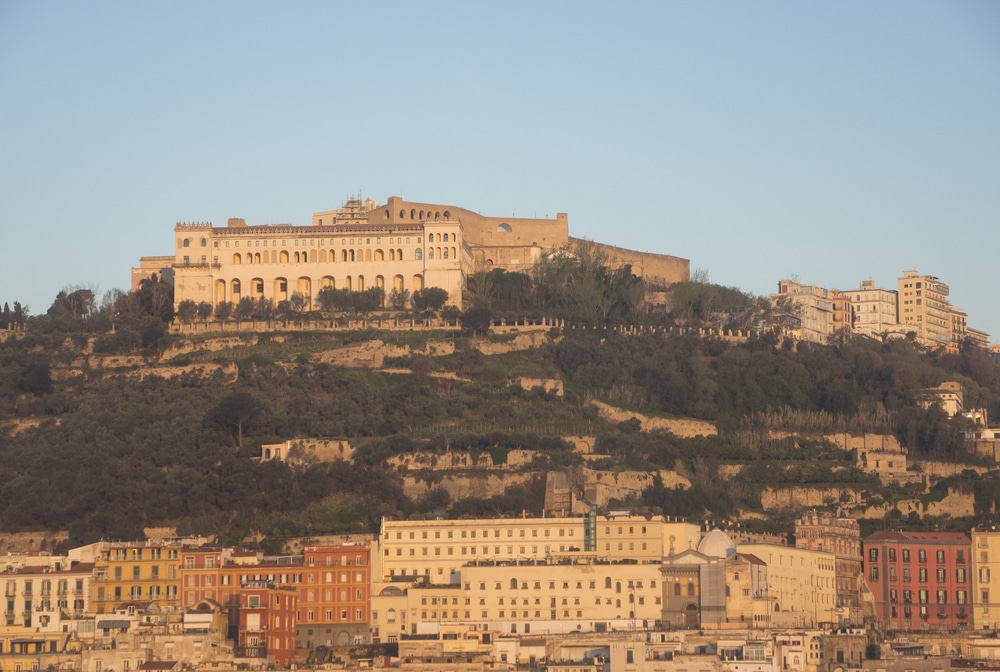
x: 832, y: 142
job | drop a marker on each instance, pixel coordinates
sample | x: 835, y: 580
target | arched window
x: 361, y: 283
x: 430, y: 252
x: 445, y: 253
x: 322, y: 256
x: 421, y: 214
x: 677, y: 589
x: 446, y: 237
x: 399, y: 254
x: 387, y: 214
x: 413, y: 213
x: 235, y: 291
x: 204, y: 242
x: 392, y: 254
x: 343, y: 254
x: 186, y: 243
x: 402, y: 214
x: 618, y: 586
x: 284, y: 256
x: 397, y: 283
x: 418, y: 282
x: 691, y: 588
x: 447, y: 215
x: 328, y: 281
x: 349, y: 284
x: 352, y: 255
x: 607, y: 582
x: 513, y: 584
x: 379, y: 255
x: 454, y: 254
x: 418, y: 254
x: 430, y: 237
x: 368, y: 255
x: 618, y: 604
x: 437, y: 215
x: 380, y: 281
x: 504, y: 228
x: 390, y: 616
x: 237, y: 259
x: 256, y: 257
x: 312, y: 256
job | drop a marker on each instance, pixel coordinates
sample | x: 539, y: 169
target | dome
x: 717, y: 544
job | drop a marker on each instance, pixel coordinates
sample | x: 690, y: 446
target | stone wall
x: 656, y: 268
x: 308, y: 451
x: 463, y: 487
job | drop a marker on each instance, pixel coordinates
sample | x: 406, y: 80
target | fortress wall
x: 653, y: 267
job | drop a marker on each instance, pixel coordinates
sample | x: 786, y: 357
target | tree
x: 76, y: 303
x: 429, y: 298
x: 397, y: 298
x: 186, y: 311
x: 223, y: 311
x: 235, y: 412
x: 204, y: 311
x: 244, y: 309
x: 298, y: 302
x: 476, y: 321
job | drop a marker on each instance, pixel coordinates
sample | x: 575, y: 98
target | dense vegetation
x: 104, y: 454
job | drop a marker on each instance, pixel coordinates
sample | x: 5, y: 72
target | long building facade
x: 403, y: 246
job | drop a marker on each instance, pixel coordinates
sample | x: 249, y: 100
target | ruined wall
x: 463, y: 487
x: 682, y: 427
x: 547, y: 384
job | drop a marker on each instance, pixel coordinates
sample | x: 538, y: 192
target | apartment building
x: 985, y: 588
x: 875, y: 311
x: 919, y: 580
x: 842, y: 537
x: 801, y: 583
x: 136, y: 571
x: 267, y: 622
x: 36, y: 596
x: 924, y: 309
x: 806, y: 311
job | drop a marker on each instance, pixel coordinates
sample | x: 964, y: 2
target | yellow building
x: 438, y: 549
x: 802, y: 584
x: 924, y: 309
x: 136, y: 571
x: 985, y: 579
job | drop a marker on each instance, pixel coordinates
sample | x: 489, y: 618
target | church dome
x: 717, y: 544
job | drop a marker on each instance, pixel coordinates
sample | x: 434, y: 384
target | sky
x: 828, y: 142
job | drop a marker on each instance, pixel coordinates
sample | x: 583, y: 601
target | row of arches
x: 234, y: 290
x: 441, y: 237
x: 441, y: 253
x: 187, y: 242
x: 323, y: 256
x: 419, y: 214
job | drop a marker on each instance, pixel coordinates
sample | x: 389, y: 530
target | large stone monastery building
x: 402, y: 245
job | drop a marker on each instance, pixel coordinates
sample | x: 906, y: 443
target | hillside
x: 106, y: 433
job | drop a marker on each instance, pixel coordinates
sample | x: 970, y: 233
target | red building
x: 919, y: 580
x: 335, y: 595
x: 267, y: 622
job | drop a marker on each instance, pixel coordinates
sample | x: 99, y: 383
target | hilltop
x: 113, y: 423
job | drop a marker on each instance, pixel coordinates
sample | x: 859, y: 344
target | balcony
x: 250, y: 651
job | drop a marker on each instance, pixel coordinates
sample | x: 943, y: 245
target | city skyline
x: 833, y: 143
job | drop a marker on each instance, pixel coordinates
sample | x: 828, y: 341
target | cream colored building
x: 216, y: 264
x: 537, y: 597
x: 807, y: 311
x: 403, y: 245
x: 802, y: 584
x: 874, y: 310
x: 438, y: 549
x: 985, y: 579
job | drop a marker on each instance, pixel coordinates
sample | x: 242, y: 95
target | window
x: 873, y: 573
x: 940, y: 556
x: 906, y: 555
x: 873, y: 555
x: 921, y: 555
